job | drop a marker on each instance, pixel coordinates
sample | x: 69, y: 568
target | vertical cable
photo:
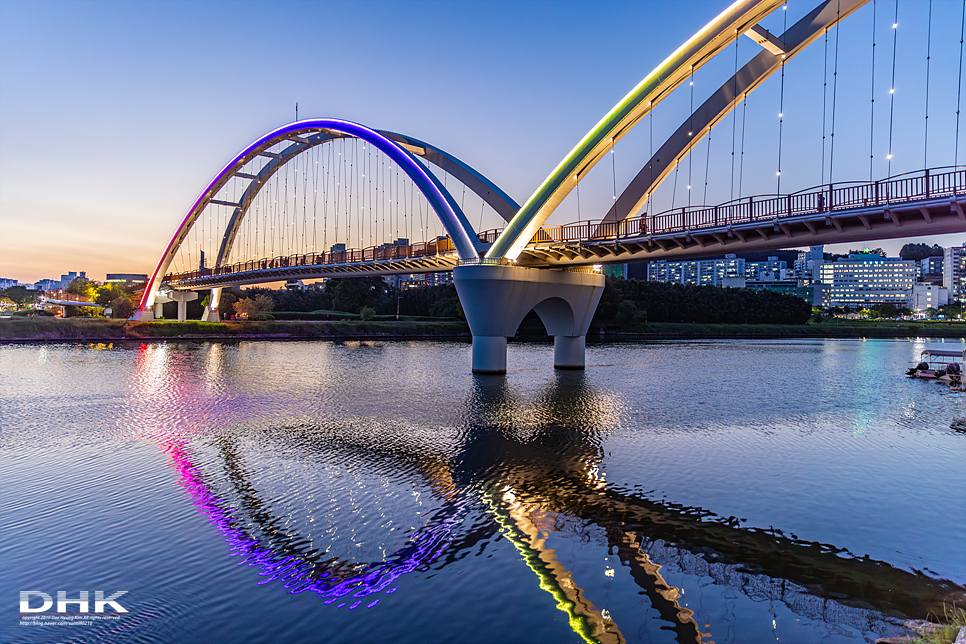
x: 690, y: 134
x: 707, y: 165
x: 734, y: 118
x: 781, y: 105
x: 892, y: 89
x: 825, y: 103
x: 872, y: 106
x: 835, y: 87
x: 741, y: 160
x: 925, y: 144
x: 650, y: 163
x: 613, y: 164
x: 959, y: 79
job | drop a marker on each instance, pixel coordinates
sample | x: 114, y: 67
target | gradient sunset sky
x: 115, y: 115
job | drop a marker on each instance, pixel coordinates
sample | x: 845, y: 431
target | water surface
x: 725, y: 491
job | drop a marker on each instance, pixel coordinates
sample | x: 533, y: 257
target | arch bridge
x: 369, y: 191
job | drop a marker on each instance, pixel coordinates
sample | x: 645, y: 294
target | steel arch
x: 308, y: 133
x: 724, y: 100
x: 740, y: 18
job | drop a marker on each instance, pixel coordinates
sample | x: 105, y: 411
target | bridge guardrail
x: 912, y: 186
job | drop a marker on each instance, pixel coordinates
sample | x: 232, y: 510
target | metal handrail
x: 910, y: 186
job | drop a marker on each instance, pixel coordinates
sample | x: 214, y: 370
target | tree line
x: 119, y: 297
x: 628, y: 302
x: 632, y: 303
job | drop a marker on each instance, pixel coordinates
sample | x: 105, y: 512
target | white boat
x: 939, y: 364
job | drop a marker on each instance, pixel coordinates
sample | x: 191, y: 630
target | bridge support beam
x: 211, y: 311
x: 497, y: 298
x: 182, y: 298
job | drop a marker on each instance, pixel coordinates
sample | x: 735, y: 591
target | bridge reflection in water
x: 526, y: 470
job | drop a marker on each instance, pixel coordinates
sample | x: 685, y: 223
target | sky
x: 115, y: 115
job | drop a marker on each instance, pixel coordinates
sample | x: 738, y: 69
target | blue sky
x: 115, y: 115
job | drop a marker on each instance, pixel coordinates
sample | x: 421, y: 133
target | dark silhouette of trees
x: 920, y: 251
x: 633, y: 302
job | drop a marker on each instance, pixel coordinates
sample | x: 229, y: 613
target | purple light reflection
x: 423, y: 548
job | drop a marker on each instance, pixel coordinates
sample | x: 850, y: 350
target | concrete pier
x: 497, y: 298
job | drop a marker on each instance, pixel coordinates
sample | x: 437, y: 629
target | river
x: 721, y: 490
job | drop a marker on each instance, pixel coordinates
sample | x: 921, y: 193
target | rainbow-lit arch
x: 742, y: 17
x: 305, y: 134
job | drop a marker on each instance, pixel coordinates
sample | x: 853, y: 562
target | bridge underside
x: 926, y: 217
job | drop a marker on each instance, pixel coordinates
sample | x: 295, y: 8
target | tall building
x: 704, y: 271
x: 770, y: 270
x: 931, y: 265
x: 926, y: 296
x: 954, y: 272
x: 65, y: 280
x: 126, y: 277
x: 867, y: 279
x: 7, y: 283
x: 808, y: 266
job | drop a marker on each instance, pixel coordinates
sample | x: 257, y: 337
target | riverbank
x: 845, y: 329
x: 101, y: 330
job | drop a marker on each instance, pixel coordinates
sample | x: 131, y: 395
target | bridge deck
x: 927, y: 203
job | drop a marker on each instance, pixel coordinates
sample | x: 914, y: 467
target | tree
x: 629, y: 315
x: 920, y: 251
x: 109, y: 292
x: 874, y: 251
x: 885, y: 310
x: 354, y: 294
x: 256, y: 308
x: 226, y: 303
x: 121, y: 307
x: 19, y: 295
x: 85, y: 288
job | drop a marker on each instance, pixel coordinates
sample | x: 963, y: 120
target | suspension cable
x: 734, y: 119
x: 892, y: 89
x: 825, y: 103
x: 707, y: 165
x: 613, y: 165
x: 577, y: 179
x: 959, y: 81
x: 674, y: 190
x: 741, y: 161
x: 872, y: 105
x: 925, y: 144
x: 316, y: 153
x: 650, y: 156
x: 690, y: 135
x: 835, y: 87
x: 781, y: 106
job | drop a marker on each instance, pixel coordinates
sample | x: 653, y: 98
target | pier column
x: 211, y: 311
x: 182, y: 298
x: 568, y: 351
x: 497, y: 298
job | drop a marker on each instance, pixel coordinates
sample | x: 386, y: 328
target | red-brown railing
x: 923, y: 184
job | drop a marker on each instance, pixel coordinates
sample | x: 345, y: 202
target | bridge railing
x: 922, y: 184
x: 912, y: 186
x: 350, y: 256
x: 67, y: 297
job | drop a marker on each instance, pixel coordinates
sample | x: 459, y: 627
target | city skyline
x: 122, y: 113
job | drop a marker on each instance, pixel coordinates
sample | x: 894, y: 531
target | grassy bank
x: 65, y: 330
x: 60, y: 330
x: 848, y: 329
